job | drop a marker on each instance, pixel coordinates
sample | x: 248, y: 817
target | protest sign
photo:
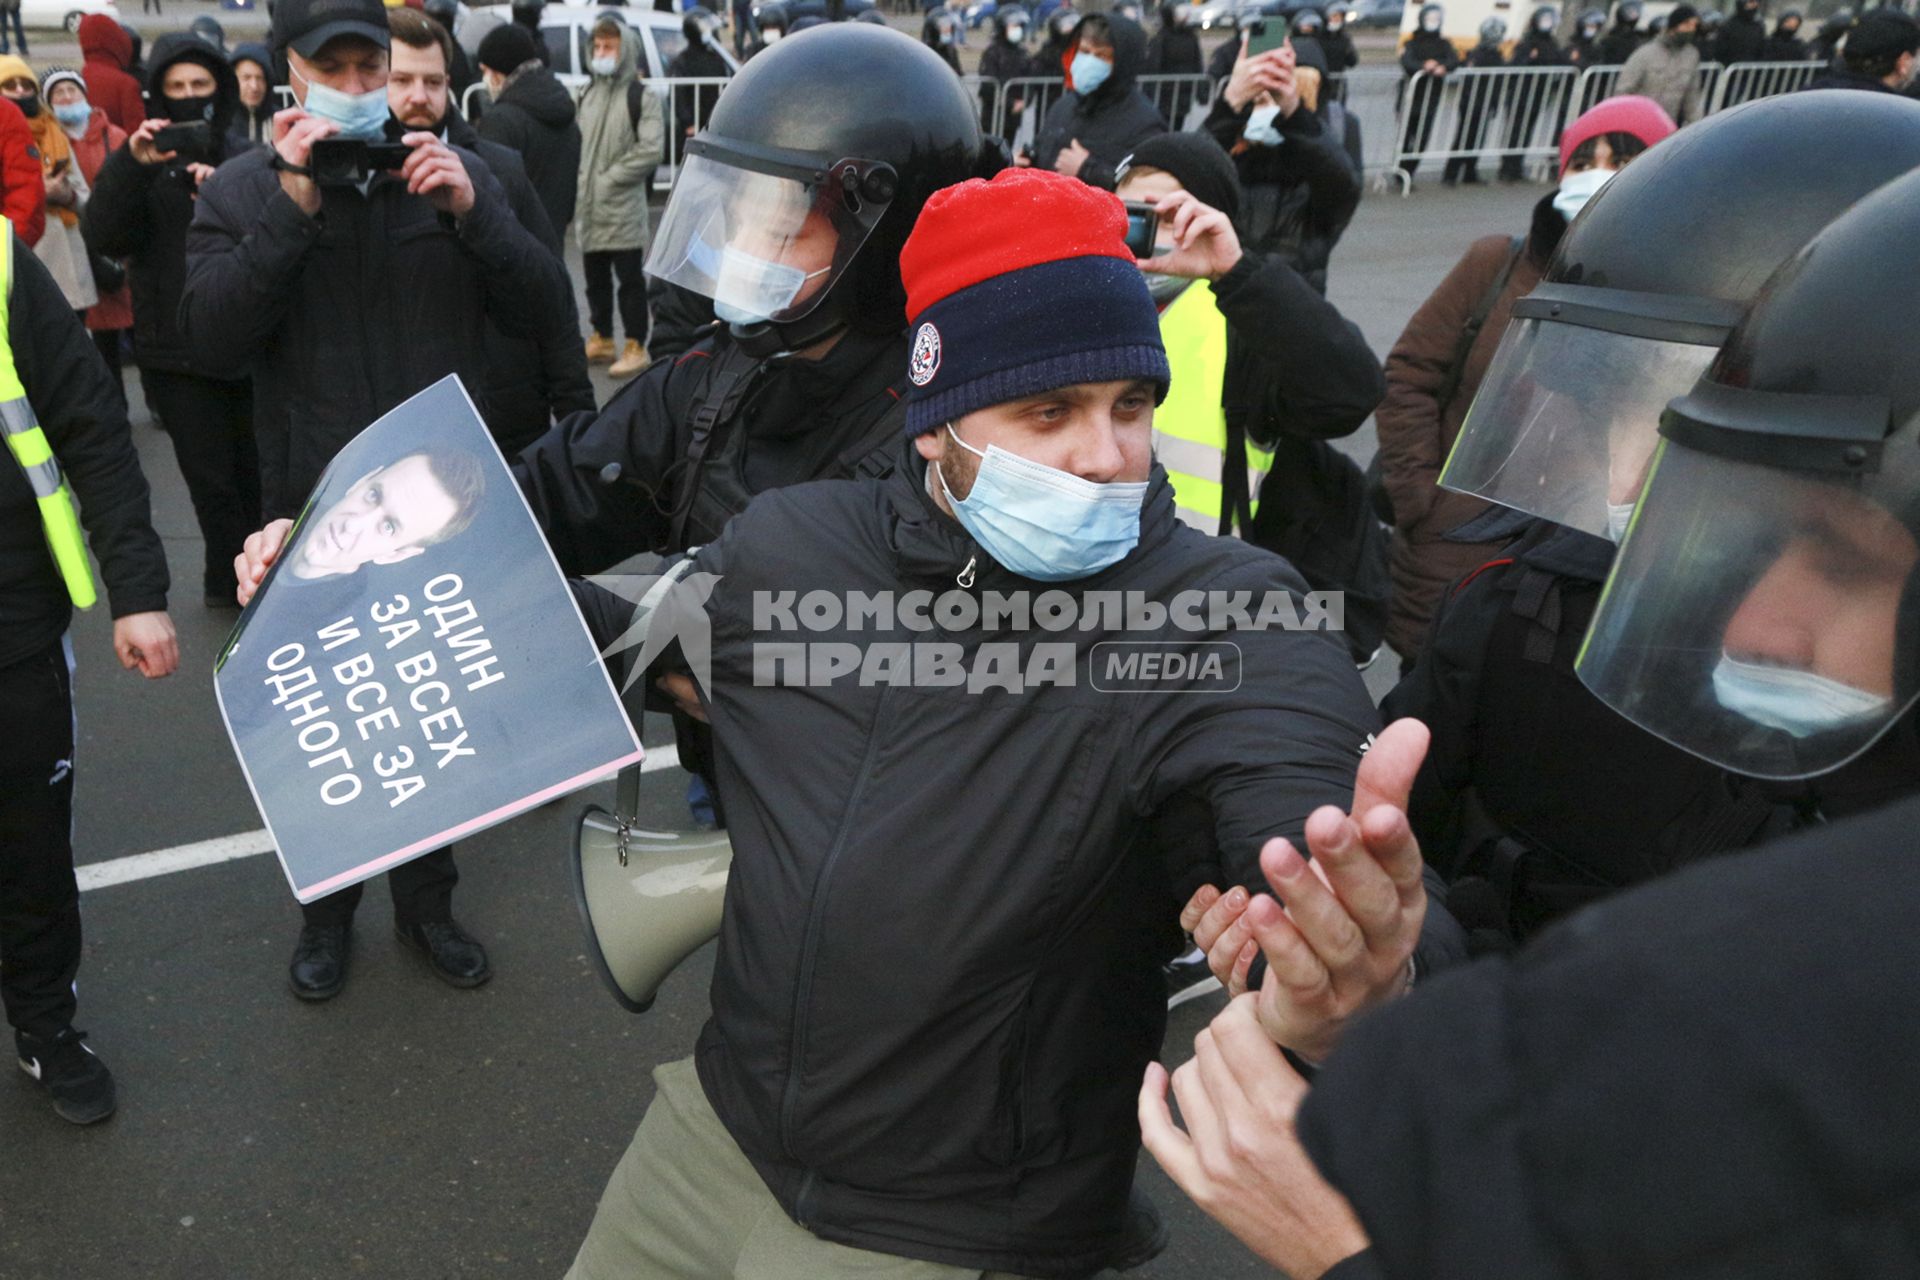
x: 413, y: 669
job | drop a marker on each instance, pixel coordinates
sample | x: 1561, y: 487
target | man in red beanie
x: 955, y: 707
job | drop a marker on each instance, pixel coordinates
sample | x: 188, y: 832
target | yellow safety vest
x: 28, y: 444
x: 1190, y: 428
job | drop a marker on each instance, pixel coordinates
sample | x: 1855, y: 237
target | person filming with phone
x: 142, y: 204
x: 346, y: 268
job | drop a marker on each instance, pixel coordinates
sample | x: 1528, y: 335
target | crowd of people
x: 1643, y: 535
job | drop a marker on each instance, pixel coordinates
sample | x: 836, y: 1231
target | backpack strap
x: 636, y: 102
x: 872, y: 457
x: 716, y: 405
x: 1470, y: 333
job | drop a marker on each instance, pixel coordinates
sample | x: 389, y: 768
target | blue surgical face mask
x: 359, y: 115
x: 1089, y: 72
x: 1042, y: 523
x: 73, y: 116
x: 1794, y: 701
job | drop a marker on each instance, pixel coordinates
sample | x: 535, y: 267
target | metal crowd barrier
x: 1371, y: 97
x: 1188, y: 98
x: 1509, y: 116
x: 1600, y: 83
x: 1748, y: 81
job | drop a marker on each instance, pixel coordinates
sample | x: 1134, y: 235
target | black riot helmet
x: 444, y: 12
x: 1591, y: 21
x: 1308, y: 22
x: 1011, y: 21
x: 1645, y: 286
x: 772, y: 17
x: 1836, y: 25
x: 1627, y: 16
x: 1764, y: 612
x: 1545, y: 19
x: 791, y: 207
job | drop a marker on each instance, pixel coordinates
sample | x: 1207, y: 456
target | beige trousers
x: 685, y: 1202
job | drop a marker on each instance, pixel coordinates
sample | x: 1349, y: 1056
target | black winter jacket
x: 1425, y: 47
x: 1537, y: 49
x: 341, y: 317
x: 1000, y: 62
x: 533, y: 381
x: 1741, y: 39
x: 1174, y: 51
x: 938, y: 978
x: 1341, y: 55
x: 141, y: 212
x: 1299, y: 374
x: 535, y: 117
x: 1787, y: 46
x: 1705, y: 1079
x: 1519, y: 801
x: 1296, y: 198
x: 86, y: 425
x: 1109, y: 122
x: 799, y: 418
x: 1618, y: 44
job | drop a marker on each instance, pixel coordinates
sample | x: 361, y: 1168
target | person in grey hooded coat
x: 622, y: 138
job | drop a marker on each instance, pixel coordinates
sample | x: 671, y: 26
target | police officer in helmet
x: 1535, y: 797
x: 789, y: 214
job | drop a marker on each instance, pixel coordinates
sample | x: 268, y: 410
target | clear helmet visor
x: 1566, y: 419
x: 1763, y: 619
x: 764, y: 235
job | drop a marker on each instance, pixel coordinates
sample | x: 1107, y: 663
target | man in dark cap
x: 341, y: 301
x: 533, y: 113
x: 1879, y: 55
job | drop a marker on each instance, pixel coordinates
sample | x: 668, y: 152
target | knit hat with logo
x: 1018, y: 286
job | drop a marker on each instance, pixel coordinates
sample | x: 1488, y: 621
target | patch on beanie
x: 925, y: 362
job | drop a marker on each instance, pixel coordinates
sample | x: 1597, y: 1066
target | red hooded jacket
x: 108, y: 53
x: 23, y: 196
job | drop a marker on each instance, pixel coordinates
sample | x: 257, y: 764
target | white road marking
x: 248, y: 844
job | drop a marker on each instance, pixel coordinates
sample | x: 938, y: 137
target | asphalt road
x: 405, y: 1129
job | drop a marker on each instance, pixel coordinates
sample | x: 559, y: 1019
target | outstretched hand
x: 1345, y: 938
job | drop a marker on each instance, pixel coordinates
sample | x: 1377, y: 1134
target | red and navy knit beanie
x: 1021, y: 285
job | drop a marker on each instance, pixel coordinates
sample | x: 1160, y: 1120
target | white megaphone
x: 649, y: 899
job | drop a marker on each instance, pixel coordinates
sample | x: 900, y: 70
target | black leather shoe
x: 319, y: 967
x: 454, y: 955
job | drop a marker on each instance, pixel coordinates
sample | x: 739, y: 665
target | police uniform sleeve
x: 599, y: 484
x: 69, y: 388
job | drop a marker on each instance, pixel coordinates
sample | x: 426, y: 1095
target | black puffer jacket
x: 533, y: 381
x: 340, y: 318
x: 938, y: 977
x: 86, y: 425
x: 1296, y: 198
x: 141, y: 212
x: 535, y: 116
x: 1110, y: 121
x: 800, y: 418
x: 1705, y: 1079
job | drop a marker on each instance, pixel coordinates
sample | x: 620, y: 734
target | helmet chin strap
x: 768, y: 338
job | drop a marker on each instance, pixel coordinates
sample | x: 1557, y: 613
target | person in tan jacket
x: 1437, y: 364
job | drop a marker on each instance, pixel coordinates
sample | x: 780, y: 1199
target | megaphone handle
x: 626, y: 795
